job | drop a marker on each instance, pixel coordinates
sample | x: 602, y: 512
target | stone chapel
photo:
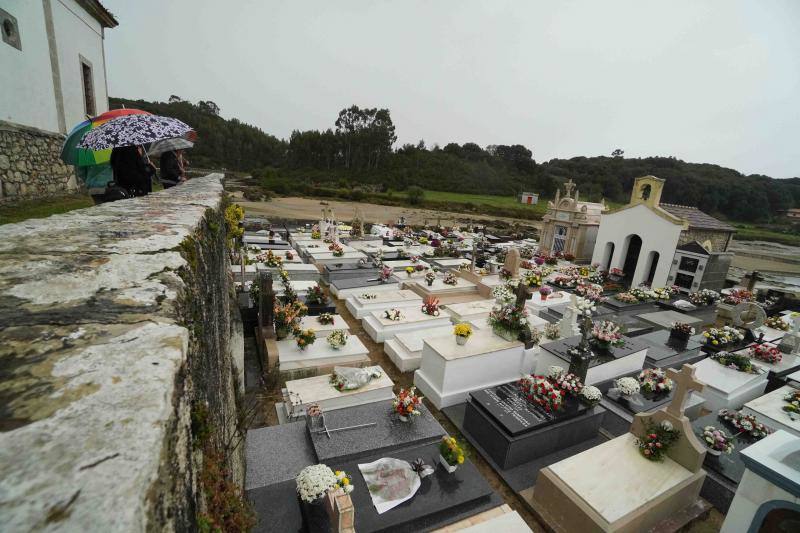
x: 570, y: 226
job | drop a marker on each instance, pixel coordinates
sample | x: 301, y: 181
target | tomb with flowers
x: 731, y: 379
x: 385, y: 324
x: 363, y: 304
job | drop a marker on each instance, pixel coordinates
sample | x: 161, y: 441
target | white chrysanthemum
x: 314, y: 481
x: 591, y: 393
x: 627, y: 385
x: 554, y: 371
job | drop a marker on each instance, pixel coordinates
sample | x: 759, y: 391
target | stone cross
x: 266, y: 304
x: 522, y: 295
x: 685, y: 382
x: 568, y: 325
x: 754, y: 277
x: 568, y: 186
x: 512, y: 262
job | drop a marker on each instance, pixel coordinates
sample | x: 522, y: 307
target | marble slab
x: 451, y: 263
x: 769, y: 410
x: 440, y: 288
x: 323, y: 329
x: 301, y: 288
x: 319, y: 390
x: 320, y: 354
x: 788, y: 362
x: 461, y: 312
x: 328, y: 257
x: 360, y: 307
x: 663, y: 351
x: 618, y: 362
x: 665, y: 319
x: 388, y: 434
x: 399, y: 265
x: 297, y: 271
x: 728, y: 388
x: 506, y: 523
x: 380, y: 328
x: 249, y: 272
x: 345, y: 288
x: 276, y: 453
x: 536, y: 304
x: 405, y: 349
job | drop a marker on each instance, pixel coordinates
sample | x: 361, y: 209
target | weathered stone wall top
x: 90, y: 352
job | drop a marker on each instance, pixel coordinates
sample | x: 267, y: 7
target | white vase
x: 461, y: 341
x: 447, y: 466
x: 403, y: 418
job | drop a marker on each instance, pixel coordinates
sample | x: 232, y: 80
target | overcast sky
x: 705, y: 81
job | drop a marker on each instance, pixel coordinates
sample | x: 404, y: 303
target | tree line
x: 358, y: 153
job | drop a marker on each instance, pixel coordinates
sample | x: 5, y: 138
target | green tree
x: 415, y: 195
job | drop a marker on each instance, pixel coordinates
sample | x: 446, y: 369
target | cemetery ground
x: 264, y: 391
x: 42, y: 208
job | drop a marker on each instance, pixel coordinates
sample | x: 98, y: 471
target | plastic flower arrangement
x: 545, y: 291
x: 508, y: 318
x: 462, y: 330
x: 767, y: 353
x: 393, y: 314
x: 430, y: 306
x: 314, y: 481
x: 738, y: 362
x: 452, y: 451
x: 590, y: 395
x: 503, y: 294
x: 793, y: 403
x: 627, y: 386
x: 744, y: 423
x: 584, y: 306
x: 270, y: 259
x: 568, y: 383
x: 284, y: 275
x: 566, y: 282
x: 776, y: 322
x: 420, y: 268
x: 430, y: 277
x: 316, y: 296
x: 315, y: 234
x: 414, y: 259
x: 722, y: 336
x: 527, y: 265
x: 657, y: 439
x: 681, y: 328
x: 590, y: 291
x: 337, y: 250
x: 626, y: 297
x: 368, y: 296
x: 407, y: 403
x: 409, y: 270
x: 704, y: 297
x: 533, y: 279
x: 641, y: 295
x: 304, y: 338
x: 551, y: 331
x: 505, y: 274
x: 606, y: 333
x: 450, y: 279
x: 422, y: 240
x: 737, y: 296
x: 664, y: 293
x: 616, y: 272
x: 654, y: 381
x: 337, y: 338
x: 344, y: 481
x: 541, y: 390
x: 287, y: 315
x: 716, y: 440
x: 385, y: 273
x: 325, y: 318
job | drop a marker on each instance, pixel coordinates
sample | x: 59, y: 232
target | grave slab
x: 380, y: 328
x: 301, y: 393
x: 728, y: 388
x: 322, y: 330
x: 462, y: 312
x: 769, y: 410
x: 345, y: 288
x: 664, y: 352
x: 334, y: 272
x: 439, y: 288
x: 301, y: 288
x: 326, y: 258
x: 360, y: 307
x: 276, y: 453
x: 320, y: 355
x: 665, y: 319
x: 536, y: 304
x: 618, y: 361
x: 297, y: 271
x: 405, y: 349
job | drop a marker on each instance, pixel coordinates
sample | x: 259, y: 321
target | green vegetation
x: 749, y: 232
x: 28, y: 209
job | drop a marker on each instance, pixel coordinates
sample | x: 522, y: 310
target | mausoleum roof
x: 696, y: 218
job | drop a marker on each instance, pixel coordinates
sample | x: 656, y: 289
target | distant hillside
x: 358, y: 153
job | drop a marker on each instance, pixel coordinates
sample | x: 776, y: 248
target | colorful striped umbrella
x: 71, y: 154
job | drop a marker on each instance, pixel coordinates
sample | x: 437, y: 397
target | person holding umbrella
x: 132, y: 170
x: 172, y: 171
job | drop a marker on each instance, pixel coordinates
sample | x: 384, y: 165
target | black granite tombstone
x: 664, y: 351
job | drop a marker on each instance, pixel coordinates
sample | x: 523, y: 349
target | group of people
x: 134, y: 172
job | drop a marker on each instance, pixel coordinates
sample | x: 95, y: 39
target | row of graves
x: 605, y: 408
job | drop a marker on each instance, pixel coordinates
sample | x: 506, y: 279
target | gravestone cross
x: 512, y: 262
x: 266, y: 304
x: 568, y: 325
x: 474, y: 253
x: 685, y: 382
x: 752, y: 278
x: 522, y: 295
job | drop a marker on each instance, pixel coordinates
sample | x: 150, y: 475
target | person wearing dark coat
x: 132, y: 170
x: 171, y: 169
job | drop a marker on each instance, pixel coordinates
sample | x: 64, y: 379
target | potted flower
x: 606, y: 334
x: 538, y: 260
x: 316, y: 296
x: 289, y: 255
x: 462, y: 332
x: 406, y: 404
x: 657, y: 440
x: 716, y: 440
x: 450, y: 279
x: 409, y: 271
x: 767, y: 353
x: 681, y: 331
x: 508, y: 321
x: 430, y: 277
x: 451, y: 454
x: 544, y: 292
x: 325, y: 319
x: 551, y: 331
x: 286, y: 317
x: 792, y: 407
x: 505, y: 274
x: 533, y: 279
x: 430, y: 306
x: 315, y: 234
x: 304, y: 338
x: 503, y: 294
x: 590, y: 395
x: 654, y: 381
x: 627, y: 386
x: 337, y: 338
x: 313, y: 482
x: 344, y: 483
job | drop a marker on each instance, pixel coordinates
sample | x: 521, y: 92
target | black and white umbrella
x: 169, y: 145
x: 133, y: 130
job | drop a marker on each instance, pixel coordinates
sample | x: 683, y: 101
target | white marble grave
x: 380, y: 328
x: 327, y: 258
x: 301, y: 393
x: 769, y: 411
x: 440, y: 288
x: 536, y: 304
x: 405, y: 349
x: 449, y: 372
x: 312, y: 322
x: 320, y: 355
x: 297, y: 271
x: 728, y: 388
x: 461, y: 312
x: 612, y: 369
x: 343, y: 294
x: 360, y: 307
x: 300, y: 288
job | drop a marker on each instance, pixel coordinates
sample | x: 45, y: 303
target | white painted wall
x: 657, y: 235
x: 26, y: 90
x: 78, y: 34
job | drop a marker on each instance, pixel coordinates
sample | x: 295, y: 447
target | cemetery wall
x: 719, y: 239
x: 30, y: 166
x: 120, y: 384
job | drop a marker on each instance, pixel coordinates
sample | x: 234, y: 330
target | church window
x: 10, y: 30
x: 646, y: 191
x: 88, y: 87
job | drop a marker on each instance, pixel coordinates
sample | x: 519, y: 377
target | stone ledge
x: 94, y: 394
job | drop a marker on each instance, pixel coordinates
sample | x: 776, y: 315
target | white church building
x: 52, y: 57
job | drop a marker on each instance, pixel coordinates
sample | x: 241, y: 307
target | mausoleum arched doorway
x: 633, y: 245
x: 652, y: 266
x: 608, y: 256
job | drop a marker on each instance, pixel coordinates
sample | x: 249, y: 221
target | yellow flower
x: 346, y: 481
x: 714, y: 342
x: 460, y: 459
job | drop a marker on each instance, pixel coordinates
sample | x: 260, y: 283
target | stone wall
x: 117, y: 368
x: 30, y: 166
x: 719, y: 239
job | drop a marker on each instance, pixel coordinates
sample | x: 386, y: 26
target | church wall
x: 657, y: 235
x: 719, y: 239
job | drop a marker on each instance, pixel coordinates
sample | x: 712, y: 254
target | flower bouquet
x: 337, y: 338
x: 585, y: 307
x: 606, y: 334
x: 337, y: 250
x: 325, y: 319
x: 627, y: 386
x: 590, y: 395
x: 565, y: 282
x: 538, y: 260
x: 767, y: 353
x: 430, y: 306
x: 657, y: 439
x: 738, y: 362
x: 503, y: 294
x: 406, y: 404
x: 626, y: 298
x: 745, y: 423
x: 315, y: 234
x: 542, y: 391
x: 551, y: 331
x: 304, y: 338
x: 385, y: 274
x: 270, y: 259
x: 527, y: 265
x: 716, y: 440
x: 654, y: 381
x: 450, y: 279
x: 590, y: 291
x: 551, y: 260
x: 793, y: 404
x: 544, y: 292
x: 451, y: 453
x: 722, y: 336
x: 533, y: 279
x: 286, y: 317
x: 289, y: 255
x: 316, y: 296
x: 681, y: 331
x: 704, y: 297
x: 567, y: 382
x: 737, y: 296
x: 616, y: 274
x: 368, y: 296
x: 393, y: 314
x: 642, y: 294
x: 344, y: 483
x: 776, y: 322
x: 430, y: 277
x: 508, y: 321
x: 462, y: 332
x: 505, y: 274
x: 314, y: 481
